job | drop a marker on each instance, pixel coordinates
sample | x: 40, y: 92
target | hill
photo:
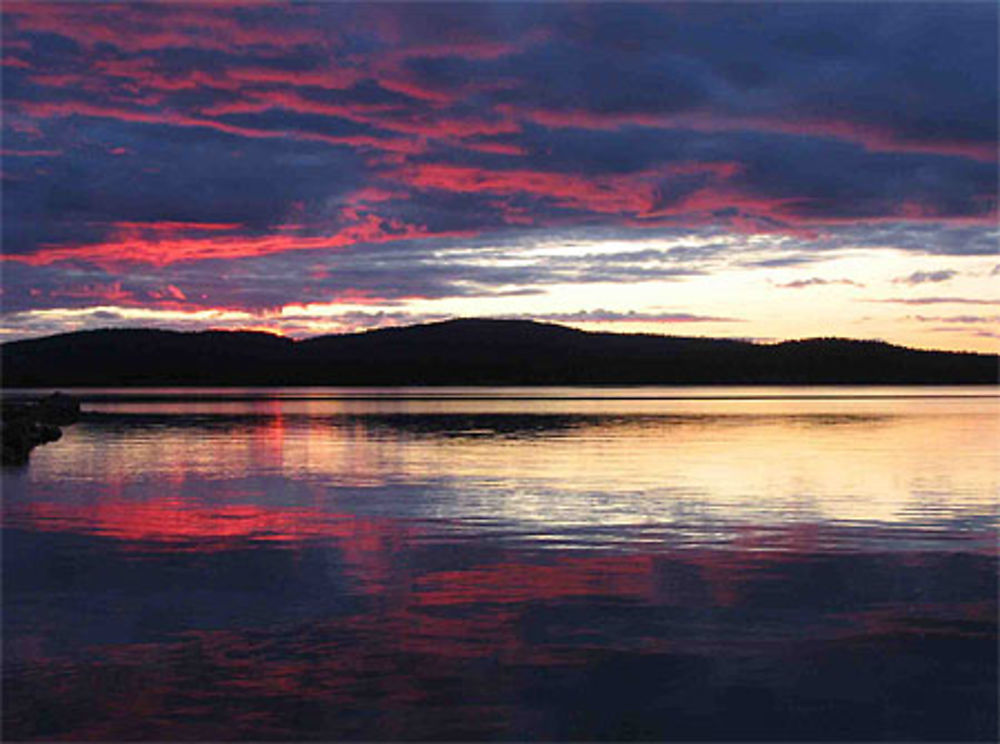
x: 469, y: 352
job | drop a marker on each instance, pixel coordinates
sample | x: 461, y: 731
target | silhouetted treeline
x: 469, y: 352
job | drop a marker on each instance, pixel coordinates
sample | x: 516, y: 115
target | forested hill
x: 469, y: 352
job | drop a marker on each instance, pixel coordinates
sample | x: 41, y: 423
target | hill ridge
x: 470, y: 351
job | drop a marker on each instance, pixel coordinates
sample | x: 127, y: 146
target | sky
x: 759, y: 171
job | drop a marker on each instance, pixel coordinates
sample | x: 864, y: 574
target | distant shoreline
x: 190, y: 394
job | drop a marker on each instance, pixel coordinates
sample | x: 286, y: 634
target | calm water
x: 650, y: 563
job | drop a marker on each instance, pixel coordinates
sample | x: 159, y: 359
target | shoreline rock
x: 26, y: 424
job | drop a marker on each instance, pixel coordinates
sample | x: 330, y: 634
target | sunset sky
x: 762, y: 171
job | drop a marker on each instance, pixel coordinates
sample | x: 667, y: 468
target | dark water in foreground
x: 505, y: 564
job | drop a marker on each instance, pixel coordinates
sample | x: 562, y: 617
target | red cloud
x: 495, y: 148
x: 173, y: 226
x: 607, y: 194
x: 619, y: 194
x: 160, y: 244
x: 169, y: 291
x: 15, y: 62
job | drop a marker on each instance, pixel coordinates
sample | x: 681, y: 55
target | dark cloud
x: 941, y: 239
x: 163, y: 177
x: 817, y: 282
x: 978, y: 332
x: 939, y: 301
x: 794, y: 259
x: 875, y: 67
x: 961, y: 319
x: 925, y: 277
x: 611, y: 316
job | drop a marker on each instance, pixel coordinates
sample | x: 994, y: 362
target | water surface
x: 540, y: 563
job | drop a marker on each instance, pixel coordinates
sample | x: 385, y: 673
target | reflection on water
x: 542, y: 564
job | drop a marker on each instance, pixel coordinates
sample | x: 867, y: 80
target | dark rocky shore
x: 26, y: 424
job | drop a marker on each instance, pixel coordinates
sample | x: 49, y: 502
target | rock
x: 24, y: 426
x: 21, y: 435
x: 58, y: 408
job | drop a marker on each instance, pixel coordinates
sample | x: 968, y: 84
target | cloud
x: 939, y: 301
x: 962, y: 319
x: 816, y: 282
x: 925, y: 277
x: 840, y: 72
x: 255, y: 156
x: 631, y: 316
x: 127, y: 248
x: 31, y: 323
x: 940, y: 239
x: 301, y: 322
x: 978, y: 332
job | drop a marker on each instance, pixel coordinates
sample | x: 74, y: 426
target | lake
x: 530, y: 563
